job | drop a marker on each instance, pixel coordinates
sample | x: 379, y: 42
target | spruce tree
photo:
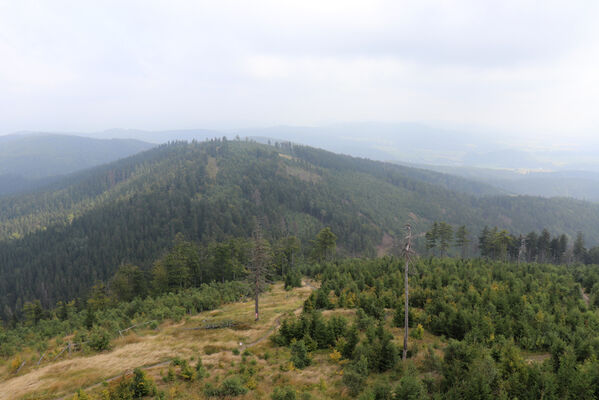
x: 258, y: 267
x: 462, y: 240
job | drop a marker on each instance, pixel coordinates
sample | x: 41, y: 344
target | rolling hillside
x: 56, y: 244
x: 27, y: 160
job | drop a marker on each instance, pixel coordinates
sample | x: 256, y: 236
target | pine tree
x: 431, y: 237
x: 445, y: 237
x: 325, y: 245
x: 579, y: 249
x: 543, y: 245
x: 532, y: 249
x: 500, y: 243
x: 484, y: 242
x: 258, y: 267
x: 462, y: 240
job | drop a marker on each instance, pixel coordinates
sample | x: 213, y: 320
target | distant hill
x: 27, y: 160
x: 417, y: 143
x: 56, y: 243
x: 160, y: 137
x: 410, y: 142
x: 583, y: 185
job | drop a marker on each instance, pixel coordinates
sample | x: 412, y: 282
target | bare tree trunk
x: 256, y: 307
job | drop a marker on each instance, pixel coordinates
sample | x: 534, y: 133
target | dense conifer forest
x: 56, y: 243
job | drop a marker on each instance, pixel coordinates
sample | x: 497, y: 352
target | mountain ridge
x: 131, y: 210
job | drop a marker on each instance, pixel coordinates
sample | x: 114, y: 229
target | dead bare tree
x: 407, y: 253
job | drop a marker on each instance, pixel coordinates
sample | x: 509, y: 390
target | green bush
x: 81, y: 395
x: 284, y: 393
x: 382, y: 391
x: 293, y: 279
x: 200, y: 370
x: 230, y: 387
x: 299, y: 354
x: 409, y: 388
x: 187, y: 373
x: 141, y: 385
x: 355, y: 374
x: 99, y: 339
x: 120, y: 390
x: 170, y: 374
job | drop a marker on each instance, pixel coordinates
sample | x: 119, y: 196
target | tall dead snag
x: 407, y: 252
x: 258, y: 267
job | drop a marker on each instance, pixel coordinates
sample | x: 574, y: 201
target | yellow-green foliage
x: 81, y: 395
x: 14, y: 364
x: 417, y: 332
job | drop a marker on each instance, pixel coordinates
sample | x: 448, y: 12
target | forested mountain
x: 27, y: 159
x: 55, y: 244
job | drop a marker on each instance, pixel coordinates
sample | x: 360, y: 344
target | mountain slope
x: 26, y: 159
x: 55, y: 244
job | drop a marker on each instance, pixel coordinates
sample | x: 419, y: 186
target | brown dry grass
x: 173, y: 340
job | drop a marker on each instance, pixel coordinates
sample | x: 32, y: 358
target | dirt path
x: 276, y: 324
x: 262, y: 338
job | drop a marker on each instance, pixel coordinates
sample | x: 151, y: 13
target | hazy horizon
x: 525, y: 71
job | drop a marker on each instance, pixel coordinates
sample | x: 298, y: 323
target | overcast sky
x: 524, y: 67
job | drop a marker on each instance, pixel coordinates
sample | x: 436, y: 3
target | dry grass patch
x: 154, y: 347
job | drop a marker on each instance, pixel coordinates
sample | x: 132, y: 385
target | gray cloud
x: 517, y: 66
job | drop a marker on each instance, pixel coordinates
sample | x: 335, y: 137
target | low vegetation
x: 479, y: 329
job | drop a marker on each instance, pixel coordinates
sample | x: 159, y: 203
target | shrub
x: 299, y: 354
x: 293, y: 279
x: 335, y: 357
x: 417, y: 333
x: 230, y: 387
x: 15, y: 363
x: 99, y: 339
x: 432, y: 362
x: 409, y: 388
x: 200, y: 370
x: 141, y: 385
x: 80, y: 395
x: 119, y: 390
x: 284, y: 393
x: 399, y: 317
x: 355, y: 374
x: 187, y: 373
x: 170, y: 375
x: 382, y: 391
